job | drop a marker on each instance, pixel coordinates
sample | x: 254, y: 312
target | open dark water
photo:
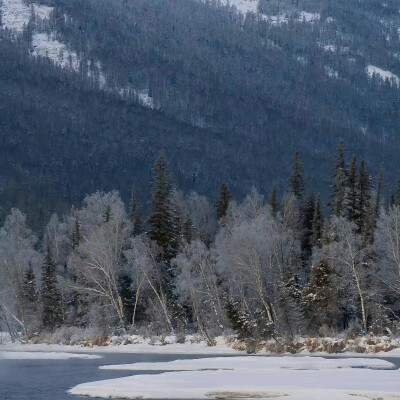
x: 50, y: 379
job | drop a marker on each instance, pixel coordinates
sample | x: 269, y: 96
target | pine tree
x: 320, y: 298
x: 107, y: 214
x: 363, y: 205
x: 161, y: 218
x: 76, y: 235
x: 317, y: 225
x: 375, y: 209
x: 337, y: 201
x: 134, y: 214
x: 351, y: 191
x: 308, y: 217
x: 188, y: 229
x: 296, y: 181
x: 273, y: 200
x: 50, y: 296
x: 127, y: 297
x: 223, y: 201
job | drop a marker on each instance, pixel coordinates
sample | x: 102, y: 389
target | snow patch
x: 26, y: 355
x: 331, y: 72
x: 45, y: 45
x: 252, y: 376
x: 243, y: 6
x: 382, y: 74
x: 16, y: 14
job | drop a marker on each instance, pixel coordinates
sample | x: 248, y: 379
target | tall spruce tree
x: 135, y: 214
x: 351, y: 191
x: 161, y: 220
x: 76, y: 235
x: 296, y: 180
x: 308, y: 217
x: 337, y: 198
x: 50, y: 296
x: 274, y: 201
x: 363, y: 202
x: 223, y: 201
x: 107, y: 214
x: 317, y: 225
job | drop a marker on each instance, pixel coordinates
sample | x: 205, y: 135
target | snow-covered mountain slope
x: 16, y: 15
x: 386, y: 76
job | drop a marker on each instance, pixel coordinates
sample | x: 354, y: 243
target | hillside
x: 218, y: 89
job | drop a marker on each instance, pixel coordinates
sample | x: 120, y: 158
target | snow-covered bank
x: 33, y: 355
x: 382, y: 346
x: 254, y: 377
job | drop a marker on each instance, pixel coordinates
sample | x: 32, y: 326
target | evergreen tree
x: 161, y: 220
x: 296, y: 181
x: 223, y: 201
x: 320, y: 298
x: 274, y: 201
x: 76, y: 235
x: 363, y: 205
x: 134, y: 214
x: 351, y: 191
x: 317, y: 225
x: 308, y: 217
x: 188, y: 229
x: 107, y: 214
x: 375, y: 209
x: 337, y: 201
x: 127, y: 297
x: 50, y: 296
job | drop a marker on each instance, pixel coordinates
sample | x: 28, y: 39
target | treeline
x: 263, y: 268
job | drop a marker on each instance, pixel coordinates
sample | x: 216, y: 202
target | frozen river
x: 50, y: 379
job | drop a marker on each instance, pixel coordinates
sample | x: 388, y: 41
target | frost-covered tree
x: 17, y: 252
x: 197, y: 286
x: 98, y: 260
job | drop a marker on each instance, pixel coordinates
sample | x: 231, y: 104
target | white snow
x: 243, y: 6
x: 46, y: 45
x: 383, y: 74
x: 294, y: 377
x: 331, y: 72
x: 16, y: 14
x: 136, y: 344
x: 27, y: 355
x: 309, y: 17
x: 260, y: 363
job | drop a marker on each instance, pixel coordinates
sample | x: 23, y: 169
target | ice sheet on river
x: 296, y: 378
